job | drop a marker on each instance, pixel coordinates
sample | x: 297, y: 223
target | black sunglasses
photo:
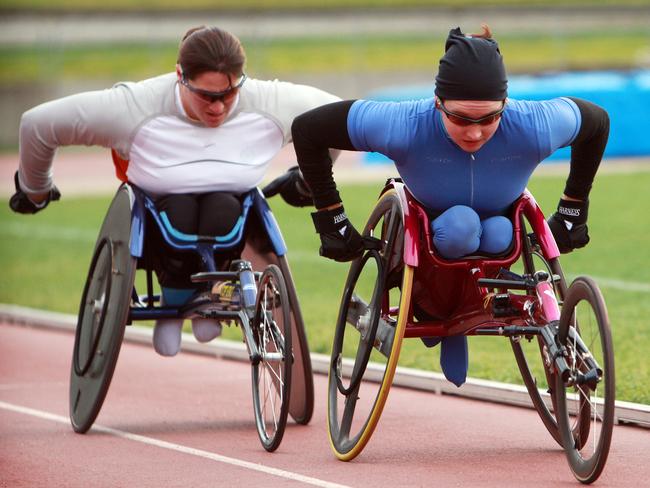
x: 465, y: 121
x: 208, y: 96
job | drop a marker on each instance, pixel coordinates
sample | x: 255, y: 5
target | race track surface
x: 188, y: 422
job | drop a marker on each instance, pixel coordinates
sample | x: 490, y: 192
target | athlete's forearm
x: 91, y: 118
x: 587, y: 149
x: 314, y: 133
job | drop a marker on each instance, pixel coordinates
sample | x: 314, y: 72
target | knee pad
x: 456, y: 232
x: 497, y: 235
x: 181, y: 210
x: 218, y: 213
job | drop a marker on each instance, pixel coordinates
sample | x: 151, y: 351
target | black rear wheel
x: 103, y: 314
x: 272, y: 373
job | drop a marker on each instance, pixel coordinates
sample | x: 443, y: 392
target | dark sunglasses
x: 465, y: 121
x: 208, y: 96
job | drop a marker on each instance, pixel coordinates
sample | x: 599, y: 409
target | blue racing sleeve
x: 381, y: 127
x: 558, y: 121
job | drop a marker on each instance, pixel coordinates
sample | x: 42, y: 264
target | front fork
x: 557, y: 355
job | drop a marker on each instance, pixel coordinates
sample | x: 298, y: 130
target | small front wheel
x: 272, y: 372
x: 585, y: 334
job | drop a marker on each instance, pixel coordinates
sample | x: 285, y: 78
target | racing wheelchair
x: 260, y: 297
x: 559, y: 334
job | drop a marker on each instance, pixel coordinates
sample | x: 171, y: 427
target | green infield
x: 283, y: 58
x: 279, y: 5
x: 45, y: 257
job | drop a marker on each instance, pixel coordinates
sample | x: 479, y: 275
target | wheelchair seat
x: 144, y: 209
x: 181, y: 241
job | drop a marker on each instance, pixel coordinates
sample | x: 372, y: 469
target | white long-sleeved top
x: 145, y: 124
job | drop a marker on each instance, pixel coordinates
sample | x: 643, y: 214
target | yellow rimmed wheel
x: 370, y: 328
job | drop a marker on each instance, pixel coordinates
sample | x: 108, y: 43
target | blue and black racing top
x: 440, y: 174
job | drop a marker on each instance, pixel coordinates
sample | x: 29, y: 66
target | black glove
x: 569, y: 225
x: 292, y: 188
x: 20, y: 203
x: 340, y: 241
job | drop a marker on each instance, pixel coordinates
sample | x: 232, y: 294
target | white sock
x: 205, y: 329
x: 167, y: 336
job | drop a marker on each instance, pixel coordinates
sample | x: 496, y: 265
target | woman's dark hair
x: 210, y: 49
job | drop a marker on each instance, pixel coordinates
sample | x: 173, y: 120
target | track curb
x: 627, y: 413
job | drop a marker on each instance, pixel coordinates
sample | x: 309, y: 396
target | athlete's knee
x: 497, y: 235
x: 219, y: 213
x: 182, y: 212
x: 457, y: 232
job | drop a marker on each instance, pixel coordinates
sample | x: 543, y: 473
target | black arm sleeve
x: 314, y: 133
x: 587, y: 149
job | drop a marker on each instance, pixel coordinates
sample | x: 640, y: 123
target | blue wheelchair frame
x: 204, y: 246
x: 255, y: 209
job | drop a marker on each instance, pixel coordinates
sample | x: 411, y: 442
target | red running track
x: 188, y: 422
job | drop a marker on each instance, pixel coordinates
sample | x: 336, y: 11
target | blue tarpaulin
x: 625, y: 96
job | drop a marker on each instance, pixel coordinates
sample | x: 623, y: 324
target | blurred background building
x: 356, y: 48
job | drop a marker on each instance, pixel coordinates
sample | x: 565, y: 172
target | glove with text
x: 292, y: 188
x: 339, y: 239
x: 569, y: 225
x: 20, y: 202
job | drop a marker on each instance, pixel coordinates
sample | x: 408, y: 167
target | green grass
x: 286, y: 57
x: 44, y: 259
x: 170, y: 5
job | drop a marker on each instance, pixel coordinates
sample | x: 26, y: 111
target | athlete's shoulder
x: 408, y: 111
x: 281, y: 101
x: 274, y: 94
x: 554, y: 123
x: 532, y: 107
x: 158, y: 90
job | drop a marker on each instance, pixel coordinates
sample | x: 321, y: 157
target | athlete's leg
x: 497, y: 235
x: 167, y: 332
x: 218, y: 214
x: 456, y: 232
x: 174, y: 269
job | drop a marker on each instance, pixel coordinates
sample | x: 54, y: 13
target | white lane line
x: 178, y: 448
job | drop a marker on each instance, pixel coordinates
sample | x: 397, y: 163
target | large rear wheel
x: 103, y: 314
x: 369, y: 332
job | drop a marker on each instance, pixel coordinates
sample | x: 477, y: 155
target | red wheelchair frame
x: 406, y: 290
x: 440, y: 275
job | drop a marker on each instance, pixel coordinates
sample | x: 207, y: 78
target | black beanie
x: 471, y: 69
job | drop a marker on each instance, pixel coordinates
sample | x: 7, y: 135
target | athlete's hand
x: 339, y: 239
x: 20, y: 202
x: 569, y: 225
x: 292, y: 188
